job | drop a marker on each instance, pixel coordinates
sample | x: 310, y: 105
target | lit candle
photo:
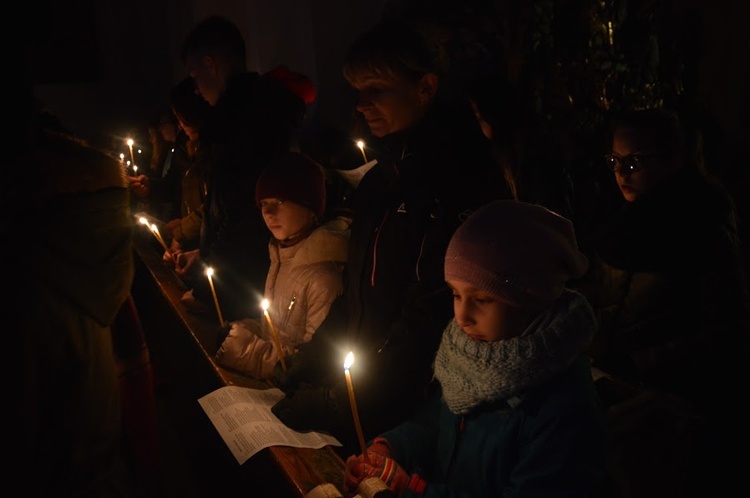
x: 348, y: 363
x: 158, y: 236
x: 264, y: 304
x: 154, y: 230
x: 361, y: 146
x: 122, y: 157
x: 130, y: 146
x: 209, y: 274
x: 135, y: 169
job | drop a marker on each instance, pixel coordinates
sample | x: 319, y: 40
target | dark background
x: 105, y: 67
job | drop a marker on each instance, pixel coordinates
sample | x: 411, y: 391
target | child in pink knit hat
x: 514, y: 411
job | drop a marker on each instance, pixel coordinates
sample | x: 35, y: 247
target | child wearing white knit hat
x: 514, y: 410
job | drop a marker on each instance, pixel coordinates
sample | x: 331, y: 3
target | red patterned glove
x: 380, y: 446
x: 384, y: 468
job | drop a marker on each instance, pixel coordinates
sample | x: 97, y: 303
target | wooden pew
x: 182, y: 345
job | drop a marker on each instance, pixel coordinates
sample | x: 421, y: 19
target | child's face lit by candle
x: 286, y: 219
x: 484, y: 316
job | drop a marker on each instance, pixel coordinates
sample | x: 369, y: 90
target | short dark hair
x: 667, y: 130
x: 163, y: 115
x: 394, y: 48
x: 661, y: 127
x: 216, y: 35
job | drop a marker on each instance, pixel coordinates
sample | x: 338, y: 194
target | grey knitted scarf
x: 475, y: 372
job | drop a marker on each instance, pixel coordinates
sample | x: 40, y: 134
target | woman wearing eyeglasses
x: 668, y: 282
x: 647, y: 149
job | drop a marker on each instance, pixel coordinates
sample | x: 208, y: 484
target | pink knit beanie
x: 293, y: 177
x: 520, y: 252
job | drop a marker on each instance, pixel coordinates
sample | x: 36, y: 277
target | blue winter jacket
x: 550, y: 443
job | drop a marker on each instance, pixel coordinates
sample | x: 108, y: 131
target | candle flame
x: 122, y: 156
x: 264, y: 304
x: 349, y: 360
x: 130, y: 142
x: 143, y: 221
x: 135, y: 168
x: 154, y: 228
x: 361, y: 145
x: 209, y: 272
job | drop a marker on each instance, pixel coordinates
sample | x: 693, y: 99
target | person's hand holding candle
x: 139, y: 185
x: 274, y: 335
x: 185, y: 262
x: 384, y: 468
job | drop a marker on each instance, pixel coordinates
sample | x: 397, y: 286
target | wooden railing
x: 182, y: 346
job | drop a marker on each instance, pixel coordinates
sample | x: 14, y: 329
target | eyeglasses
x: 627, y: 165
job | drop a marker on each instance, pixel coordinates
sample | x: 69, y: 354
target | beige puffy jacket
x: 303, y: 281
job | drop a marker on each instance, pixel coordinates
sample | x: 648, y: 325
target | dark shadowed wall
x: 105, y: 67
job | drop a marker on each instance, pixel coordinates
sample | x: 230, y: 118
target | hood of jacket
x: 328, y: 242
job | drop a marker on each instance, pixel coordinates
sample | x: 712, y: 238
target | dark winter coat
x: 514, y: 418
x: 69, y: 282
x: 396, y: 302
x: 165, y: 188
x: 193, y: 196
x: 669, y: 288
x: 551, y: 444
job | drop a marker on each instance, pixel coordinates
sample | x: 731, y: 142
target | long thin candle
x: 355, y: 414
x: 361, y: 146
x: 154, y: 230
x: 274, y: 335
x: 209, y: 273
x: 130, y: 146
x: 158, y: 237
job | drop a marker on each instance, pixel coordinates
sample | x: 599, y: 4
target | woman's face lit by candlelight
x: 654, y: 164
x: 391, y: 104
